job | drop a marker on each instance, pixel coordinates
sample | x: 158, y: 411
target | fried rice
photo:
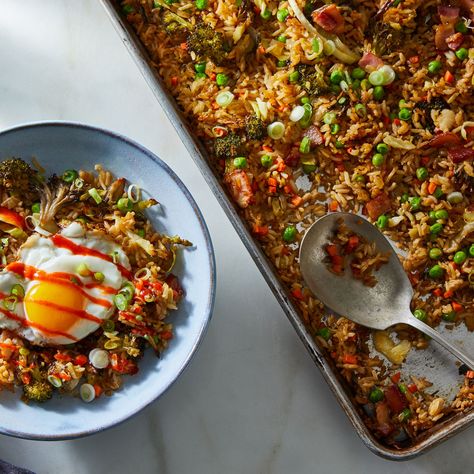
x: 308, y: 107
x: 109, y: 209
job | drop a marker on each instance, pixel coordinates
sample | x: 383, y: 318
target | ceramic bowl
x: 59, y: 146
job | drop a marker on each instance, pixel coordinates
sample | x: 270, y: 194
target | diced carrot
x: 184, y: 46
x: 281, y: 166
x: 272, y: 189
x: 213, y: 76
x: 64, y: 376
x: 349, y: 359
x: 448, y: 77
x: 267, y: 148
x: 331, y: 250
x: 174, y: 81
x: 396, y: 377
x: 272, y: 182
x: 333, y: 205
x: 425, y: 160
x: 437, y: 292
x: 287, y: 189
x: 296, y: 201
x: 414, y: 60
x: 260, y: 230
x: 432, y: 187
x: 396, y: 121
x: 337, y: 260
x: 336, y: 268
x: 340, y: 167
x: 80, y: 359
x: 333, y: 354
x: 297, y: 293
x: 448, y: 294
x: 470, y: 374
x: 352, y: 243
x: 62, y: 357
x: 281, y: 108
x: 166, y: 335
x: 97, y: 390
x: 456, y: 306
x: 412, y: 388
x: 261, y: 50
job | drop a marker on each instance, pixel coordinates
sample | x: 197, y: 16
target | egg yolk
x: 52, y: 306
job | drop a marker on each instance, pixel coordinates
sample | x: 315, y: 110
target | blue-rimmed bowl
x: 63, y: 145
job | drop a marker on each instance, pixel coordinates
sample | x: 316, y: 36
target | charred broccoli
x: 205, y: 42
x: 38, y: 391
x: 255, y: 128
x: 18, y: 176
x: 173, y: 26
x: 310, y: 79
x: 229, y: 146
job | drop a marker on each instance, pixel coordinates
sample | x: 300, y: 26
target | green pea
x: 336, y: 76
x: 266, y: 161
x: 449, y: 317
x: 462, y: 54
x: 376, y: 395
x: 404, y: 114
x: 441, y: 214
x: 404, y: 198
x: 36, y: 208
x: 359, y: 178
x: 335, y: 88
x: 435, y: 253
x: 438, y: 192
x: 339, y: 144
x: 305, y: 100
x: 282, y: 14
x: 434, y: 67
x: 201, y: 4
x: 283, y: 63
x: 382, y: 221
x: 281, y: 38
x: 358, y: 73
x: 378, y: 159
x: 325, y: 333
x: 460, y: 257
x: 294, y: 76
x: 415, y: 203
x: 289, y: 234
x: 420, y: 314
x: 379, y: 92
x: 124, y: 205
x: 200, y: 75
x: 436, y: 228
x: 461, y: 27
x: 436, y: 271
x: 382, y: 148
x: 471, y: 250
x: 422, y: 173
x: 222, y: 79
x: 266, y: 14
x: 356, y: 84
x: 200, y: 67
x: 240, y: 162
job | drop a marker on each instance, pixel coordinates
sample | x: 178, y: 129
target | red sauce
x: 60, y: 241
x: 76, y: 312
x: 41, y: 328
x: 66, y: 279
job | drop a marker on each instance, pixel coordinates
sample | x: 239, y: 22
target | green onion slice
x: 224, y: 98
x: 17, y: 290
x: 95, y: 195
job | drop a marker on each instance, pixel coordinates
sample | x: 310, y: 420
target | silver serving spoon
x: 379, y: 307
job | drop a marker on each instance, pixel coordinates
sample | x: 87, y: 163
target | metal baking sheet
x: 434, y: 363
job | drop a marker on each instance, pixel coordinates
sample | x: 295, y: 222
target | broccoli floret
x: 17, y: 176
x: 311, y: 80
x: 255, y: 128
x: 229, y: 146
x: 172, y: 26
x: 205, y: 42
x: 38, y: 391
x: 55, y: 194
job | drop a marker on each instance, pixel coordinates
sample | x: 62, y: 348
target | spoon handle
x: 428, y: 330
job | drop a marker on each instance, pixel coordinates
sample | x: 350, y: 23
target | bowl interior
x: 59, y: 146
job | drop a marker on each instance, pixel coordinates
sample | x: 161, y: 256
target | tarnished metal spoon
x: 378, y: 307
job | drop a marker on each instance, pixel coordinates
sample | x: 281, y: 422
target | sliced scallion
x: 94, y: 194
x: 276, y: 130
x: 224, y: 98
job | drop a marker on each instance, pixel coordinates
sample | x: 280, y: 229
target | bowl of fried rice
x: 107, y: 279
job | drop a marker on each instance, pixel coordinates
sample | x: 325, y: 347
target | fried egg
x: 62, y: 286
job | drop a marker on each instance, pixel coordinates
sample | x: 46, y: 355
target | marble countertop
x: 252, y: 400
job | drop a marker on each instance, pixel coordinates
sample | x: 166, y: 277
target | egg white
x: 41, y: 253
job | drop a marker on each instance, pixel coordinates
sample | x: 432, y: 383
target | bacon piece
x: 315, y: 136
x: 395, y: 399
x: 447, y: 139
x: 382, y: 414
x: 293, y: 157
x: 370, y: 62
x: 449, y: 17
x: 379, y: 205
x: 454, y: 41
x: 459, y: 154
x: 240, y: 187
x: 329, y: 18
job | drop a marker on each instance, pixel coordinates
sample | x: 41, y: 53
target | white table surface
x: 251, y: 400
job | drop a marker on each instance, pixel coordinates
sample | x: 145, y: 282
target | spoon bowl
x: 378, y: 307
